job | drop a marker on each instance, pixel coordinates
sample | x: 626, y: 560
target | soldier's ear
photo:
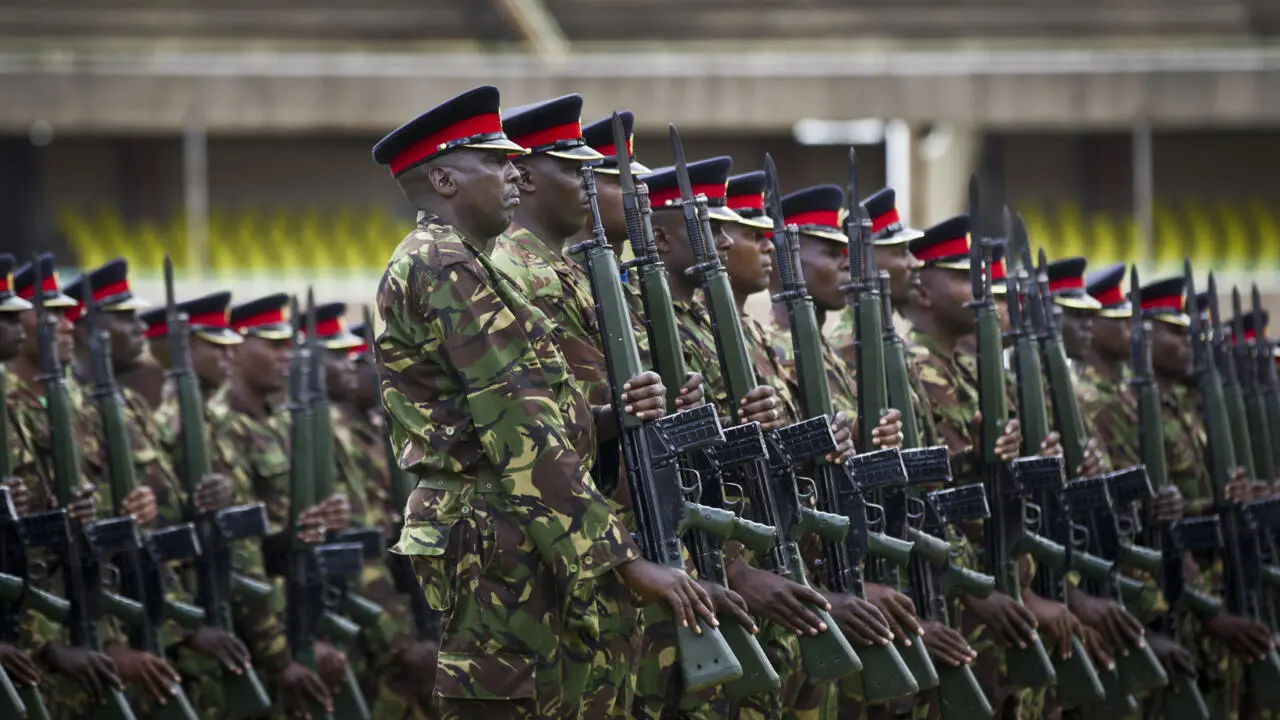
x: 661, y: 239
x: 524, y: 178
x: 443, y: 180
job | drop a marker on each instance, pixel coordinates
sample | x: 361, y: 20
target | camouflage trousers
x: 605, y: 659
x: 797, y: 699
x: 659, y: 691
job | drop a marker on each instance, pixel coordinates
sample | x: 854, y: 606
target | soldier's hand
x: 644, y: 396
x: 94, y: 672
x: 1238, y: 486
x: 779, y: 600
x: 214, y: 492
x: 1055, y: 622
x: 859, y: 620
x: 1118, y: 626
x: 762, y: 405
x: 692, y: 393
x: 140, y: 503
x: 145, y: 671
x: 413, y: 671
x: 898, y: 610
x: 84, y: 509
x: 1100, y: 651
x: 947, y: 645
x: 1169, y: 504
x: 888, y: 432
x: 1174, y: 657
x: 1258, y: 490
x: 19, y: 493
x: 1094, y: 463
x: 1010, y: 623
x: 19, y: 665
x: 728, y: 603
x: 842, y: 431
x: 672, y: 586
x: 1051, y: 445
x: 336, y: 511
x: 1243, y: 637
x: 331, y: 664
x: 1009, y: 444
x: 297, y: 686
x: 222, y: 646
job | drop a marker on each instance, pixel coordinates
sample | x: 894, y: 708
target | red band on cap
x: 1168, y: 302
x: 881, y: 222
x: 713, y: 191
x: 360, y: 349
x: 158, y: 330
x: 1110, y: 296
x: 1250, y: 334
x: 946, y: 248
x: 1066, y: 283
x: 611, y: 149
x: 6, y: 283
x: 997, y: 270
x: 825, y: 218
x: 326, y: 328
x: 271, y: 317
x: 106, y: 291
x: 430, y: 145
x: 49, y: 284
x: 213, y: 319
x: 549, y: 136
x: 750, y: 201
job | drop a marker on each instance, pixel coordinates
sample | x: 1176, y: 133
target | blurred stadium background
x: 235, y: 134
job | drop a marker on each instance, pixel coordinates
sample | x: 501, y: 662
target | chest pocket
x: 271, y: 484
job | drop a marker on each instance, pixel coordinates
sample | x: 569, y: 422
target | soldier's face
x: 825, y: 264
x: 950, y: 293
x: 11, y: 335
x: 750, y: 263
x: 128, y: 337
x: 609, y: 198
x: 211, y: 362
x: 339, y: 375
x: 482, y: 185
x: 1170, y: 350
x: 555, y: 185
x: 673, y: 243
x: 1077, y: 331
x: 1112, y: 337
x: 65, y: 338
x: 263, y: 364
x: 903, y: 268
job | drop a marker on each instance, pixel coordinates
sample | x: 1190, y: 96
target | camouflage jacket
x: 1110, y: 410
x: 1186, y: 447
x: 952, y: 398
x: 841, y: 381
x: 843, y: 336
x: 557, y: 286
x: 477, y: 391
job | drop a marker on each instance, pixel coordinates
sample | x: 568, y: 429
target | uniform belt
x: 486, y: 482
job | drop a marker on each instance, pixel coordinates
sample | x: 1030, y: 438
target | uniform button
x: 586, y: 560
x: 573, y: 568
x: 466, y: 509
x: 449, y: 431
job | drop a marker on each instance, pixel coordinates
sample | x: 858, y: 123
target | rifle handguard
x: 1202, y: 605
x: 1132, y: 591
x: 705, y: 658
x: 338, y: 629
x: 185, y: 615
x: 1078, y: 681
x: 756, y: 537
x: 713, y: 521
x: 960, y: 697
x: 1091, y: 566
x: 885, y: 676
x: 933, y: 550
x: 827, y: 526
x: 129, y: 612
x: 15, y: 589
x: 758, y: 675
x: 1137, y: 557
x: 1140, y: 669
x: 897, y: 552
x: 363, y: 611
x: 1045, y: 551
x: 246, y: 588
x: 827, y: 655
x: 958, y: 581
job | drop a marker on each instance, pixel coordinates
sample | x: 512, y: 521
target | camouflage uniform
x: 558, y: 286
x: 509, y: 538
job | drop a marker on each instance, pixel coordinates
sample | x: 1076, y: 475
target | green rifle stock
x: 827, y: 655
x: 668, y: 359
x: 1267, y: 377
x: 1004, y: 531
x: 662, y: 506
x: 885, y: 674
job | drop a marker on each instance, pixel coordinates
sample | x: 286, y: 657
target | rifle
x: 1266, y: 364
x: 664, y: 506
x: 244, y: 693
x: 770, y: 483
x: 841, y: 489
x: 312, y: 568
x: 1006, y: 531
x: 24, y: 701
x: 1078, y: 681
x: 1241, y: 553
x: 664, y: 343
x: 1253, y: 383
x: 82, y: 550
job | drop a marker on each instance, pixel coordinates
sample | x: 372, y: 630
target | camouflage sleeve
x: 951, y: 419
x: 451, y: 314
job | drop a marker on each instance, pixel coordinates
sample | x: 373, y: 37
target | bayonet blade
x: 1010, y: 250
x: 773, y: 194
x: 682, y: 168
x: 1260, y: 324
x: 976, y: 271
x: 623, y: 153
x: 1238, y: 308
